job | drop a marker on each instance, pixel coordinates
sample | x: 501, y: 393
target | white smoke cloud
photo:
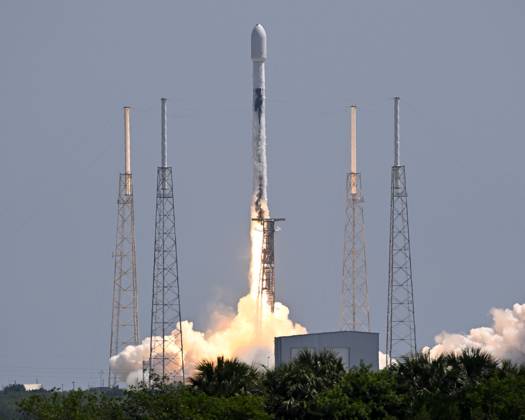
x: 247, y: 334
x: 504, y: 340
x: 234, y: 336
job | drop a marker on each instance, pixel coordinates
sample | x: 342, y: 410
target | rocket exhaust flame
x: 247, y: 334
x: 230, y: 336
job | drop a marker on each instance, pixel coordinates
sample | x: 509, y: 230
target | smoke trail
x: 505, y: 340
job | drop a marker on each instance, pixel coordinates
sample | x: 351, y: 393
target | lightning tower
x: 355, y: 313
x: 401, y: 321
x: 166, y: 350
x: 124, y: 319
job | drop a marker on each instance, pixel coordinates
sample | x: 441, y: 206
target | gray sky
x: 68, y: 67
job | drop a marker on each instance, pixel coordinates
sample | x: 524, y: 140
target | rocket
x: 260, y: 175
x: 262, y: 242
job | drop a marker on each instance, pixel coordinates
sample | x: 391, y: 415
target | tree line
x: 468, y: 385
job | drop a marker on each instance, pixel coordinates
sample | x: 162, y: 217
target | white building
x: 353, y: 347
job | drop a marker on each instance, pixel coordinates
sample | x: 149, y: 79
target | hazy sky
x: 68, y: 67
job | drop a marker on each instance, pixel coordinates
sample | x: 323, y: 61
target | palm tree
x: 439, y: 384
x: 476, y: 364
x: 226, y: 377
x: 292, y: 388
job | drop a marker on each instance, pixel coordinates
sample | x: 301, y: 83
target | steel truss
x: 266, y: 288
x: 124, y: 319
x: 355, y: 312
x: 401, y: 323
x: 166, y: 349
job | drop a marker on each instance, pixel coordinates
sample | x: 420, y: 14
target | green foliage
x: 74, y: 405
x: 361, y: 394
x: 226, y: 378
x: 179, y: 402
x: 470, y: 385
x: 454, y: 386
x: 500, y: 396
x: 10, y: 396
x: 161, y: 401
x: 291, y: 389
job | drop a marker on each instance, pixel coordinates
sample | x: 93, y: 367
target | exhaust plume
x: 505, y: 339
x: 231, y: 335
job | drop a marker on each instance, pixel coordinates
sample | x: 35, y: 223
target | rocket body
x: 260, y: 173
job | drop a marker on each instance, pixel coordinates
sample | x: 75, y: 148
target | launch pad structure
x: 355, y: 312
x: 166, y: 351
x: 166, y: 354
x: 401, y: 319
x: 266, y: 287
x: 124, y: 317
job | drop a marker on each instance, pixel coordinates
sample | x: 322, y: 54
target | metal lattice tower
x: 266, y: 289
x: 401, y: 322
x: 355, y: 313
x: 124, y: 319
x: 166, y: 349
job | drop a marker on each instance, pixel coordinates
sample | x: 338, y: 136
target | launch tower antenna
x: 124, y: 318
x: 166, y: 357
x: 401, y: 322
x: 355, y: 314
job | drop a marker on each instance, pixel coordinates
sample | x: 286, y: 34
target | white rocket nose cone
x: 258, y: 43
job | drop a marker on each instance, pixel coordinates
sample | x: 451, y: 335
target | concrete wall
x: 352, y: 346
